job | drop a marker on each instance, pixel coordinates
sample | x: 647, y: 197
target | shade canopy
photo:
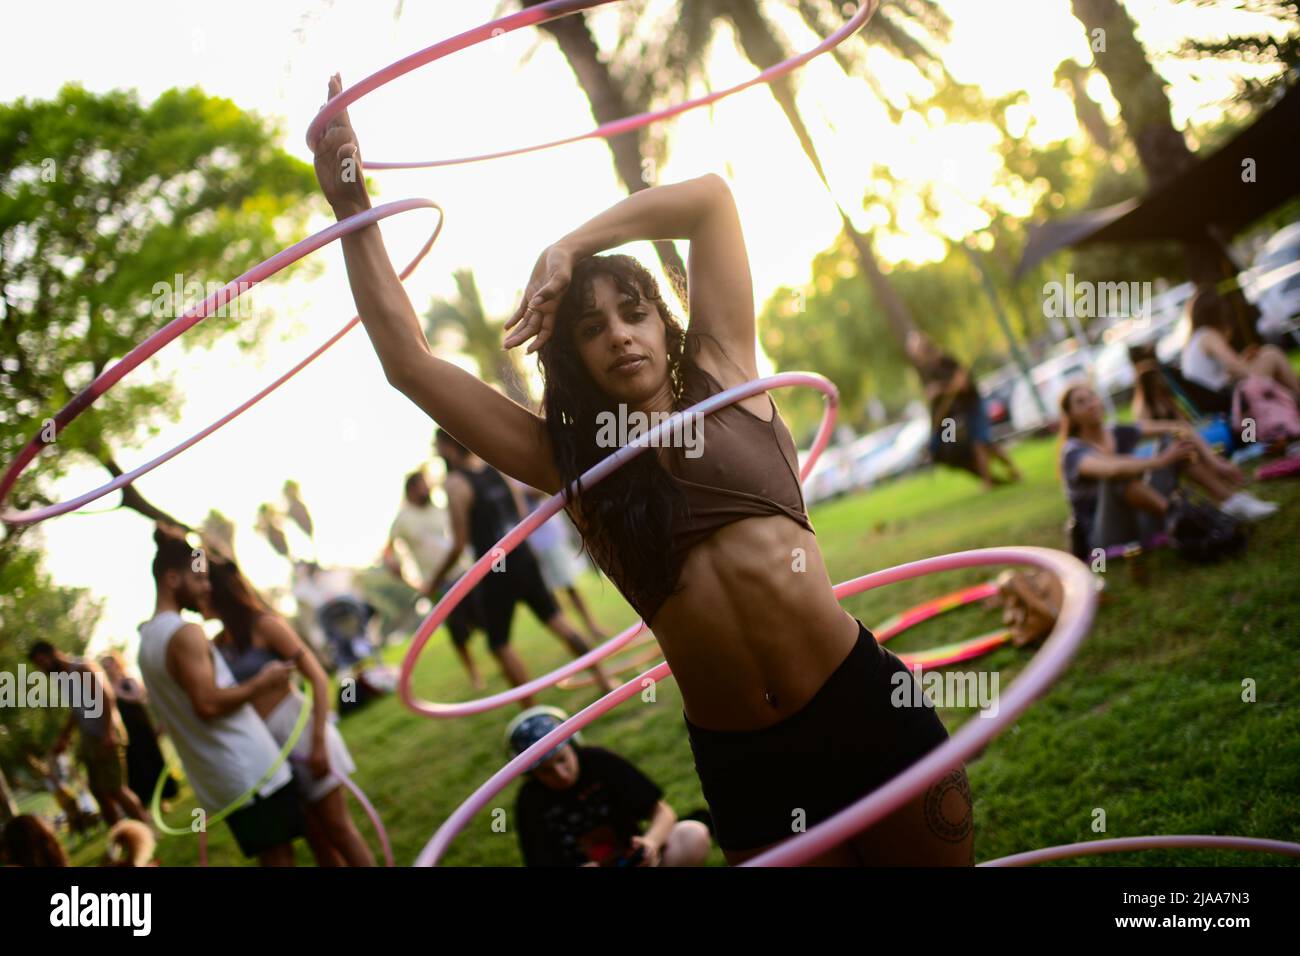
x: 1214, y: 190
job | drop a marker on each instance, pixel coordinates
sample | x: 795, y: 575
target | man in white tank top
x: 224, y: 746
x: 425, y: 530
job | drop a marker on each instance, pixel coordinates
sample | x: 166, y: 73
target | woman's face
x: 1085, y: 407
x: 623, y: 343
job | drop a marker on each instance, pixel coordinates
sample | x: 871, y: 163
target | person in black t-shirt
x: 584, y: 806
x: 483, y: 508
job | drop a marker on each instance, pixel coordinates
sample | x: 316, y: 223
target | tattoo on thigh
x: 948, y: 810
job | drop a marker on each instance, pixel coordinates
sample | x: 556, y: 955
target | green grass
x: 1147, y: 723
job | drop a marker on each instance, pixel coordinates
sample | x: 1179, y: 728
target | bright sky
x: 338, y: 428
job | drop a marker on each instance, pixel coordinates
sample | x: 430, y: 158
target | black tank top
x: 493, y: 512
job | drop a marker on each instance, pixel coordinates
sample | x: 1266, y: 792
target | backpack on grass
x: 1203, y: 533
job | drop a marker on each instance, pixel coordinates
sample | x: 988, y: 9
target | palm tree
x: 219, y: 528
x: 1164, y: 153
x: 1073, y: 78
x: 609, y: 99
x: 482, y: 337
x: 897, y: 28
x: 297, y: 508
x: 270, y: 525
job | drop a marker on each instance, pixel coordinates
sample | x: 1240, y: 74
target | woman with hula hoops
x: 786, y: 695
x: 253, y: 636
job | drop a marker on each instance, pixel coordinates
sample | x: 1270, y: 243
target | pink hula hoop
x: 177, y: 327
x: 482, y: 567
x: 948, y: 653
x: 1077, y: 608
x: 536, y: 16
x: 361, y: 798
x: 1070, y: 851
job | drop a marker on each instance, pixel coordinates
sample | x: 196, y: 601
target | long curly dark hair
x: 237, y: 603
x: 629, y: 516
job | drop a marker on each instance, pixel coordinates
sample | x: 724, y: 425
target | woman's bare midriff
x: 755, y: 630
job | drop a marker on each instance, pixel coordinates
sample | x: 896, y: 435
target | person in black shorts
x: 423, y: 528
x: 484, y: 507
x: 584, y: 806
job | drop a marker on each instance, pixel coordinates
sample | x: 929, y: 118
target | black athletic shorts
x: 465, y: 618
x: 266, y: 822
x: 521, y: 580
x: 845, y: 742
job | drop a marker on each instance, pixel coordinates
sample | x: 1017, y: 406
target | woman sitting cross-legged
x: 1116, y: 495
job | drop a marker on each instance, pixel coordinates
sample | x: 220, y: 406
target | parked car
x: 909, y: 450
x: 829, y: 477
x: 1051, y: 377
x: 1273, y: 284
x: 869, y: 459
x: 864, y: 455
x: 997, y: 388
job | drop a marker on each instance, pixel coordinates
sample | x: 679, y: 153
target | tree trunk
x: 897, y: 314
x: 1073, y: 78
x: 1144, y: 107
x: 134, y: 500
x: 607, y: 103
x: 762, y: 49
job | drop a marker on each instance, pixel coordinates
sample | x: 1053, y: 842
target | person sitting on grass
x: 583, y: 806
x: 1113, y: 498
x: 1209, y: 360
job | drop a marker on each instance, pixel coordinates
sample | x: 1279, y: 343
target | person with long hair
x: 787, y: 697
x: 483, y: 508
x: 1209, y: 360
x: 253, y: 636
x: 224, y: 746
x: 1118, y: 496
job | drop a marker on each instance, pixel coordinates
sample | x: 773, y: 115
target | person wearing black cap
x: 584, y: 806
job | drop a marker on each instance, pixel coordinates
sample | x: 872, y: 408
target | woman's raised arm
x: 700, y: 210
x: 504, y: 434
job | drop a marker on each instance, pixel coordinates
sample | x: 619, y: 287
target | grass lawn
x: 1147, y: 724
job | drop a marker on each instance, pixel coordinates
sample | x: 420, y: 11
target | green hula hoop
x: 155, y: 803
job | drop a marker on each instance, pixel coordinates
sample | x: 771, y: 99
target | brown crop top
x: 747, y: 467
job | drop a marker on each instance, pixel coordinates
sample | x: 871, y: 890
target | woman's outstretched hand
x: 338, y: 163
x: 536, y: 313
